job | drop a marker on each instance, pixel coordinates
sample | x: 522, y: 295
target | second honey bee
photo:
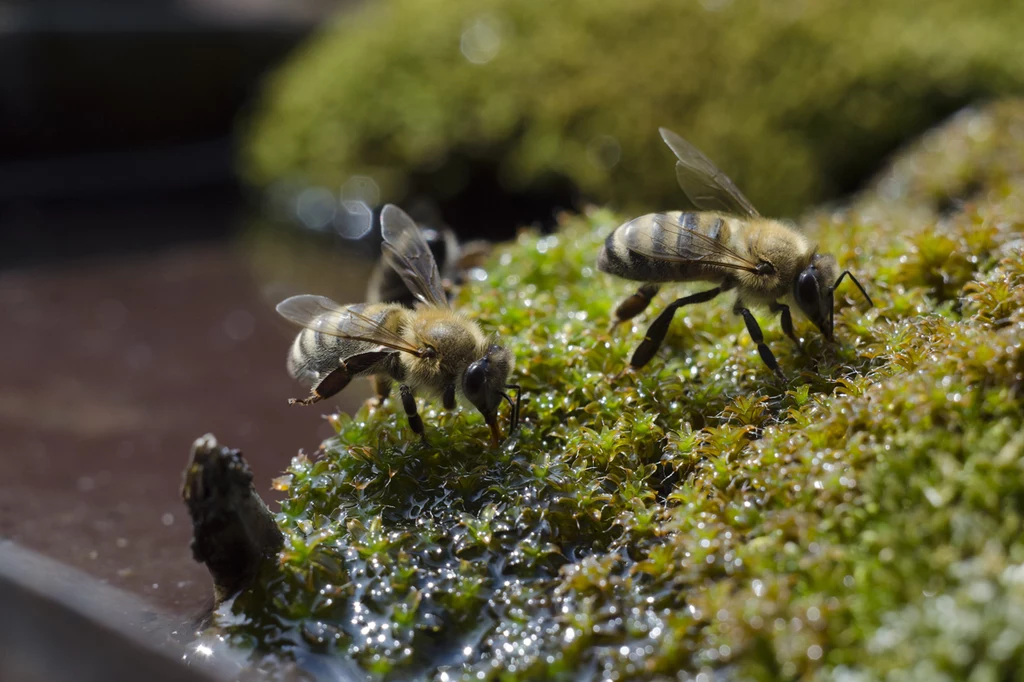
x: 429, y: 348
x: 454, y: 259
x: 728, y: 244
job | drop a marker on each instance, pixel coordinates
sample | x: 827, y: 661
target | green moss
x: 864, y: 521
x: 795, y: 100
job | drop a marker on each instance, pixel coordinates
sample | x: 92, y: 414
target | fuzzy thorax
x: 785, y: 249
x: 457, y: 343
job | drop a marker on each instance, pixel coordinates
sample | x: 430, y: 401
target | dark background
x: 131, y: 321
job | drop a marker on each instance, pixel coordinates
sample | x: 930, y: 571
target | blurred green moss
x: 862, y: 523
x: 796, y: 99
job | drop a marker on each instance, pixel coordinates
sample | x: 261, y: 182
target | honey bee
x: 430, y: 347
x: 453, y: 259
x: 728, y: 244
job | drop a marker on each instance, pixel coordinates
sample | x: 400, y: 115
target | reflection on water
x: 111, y: 368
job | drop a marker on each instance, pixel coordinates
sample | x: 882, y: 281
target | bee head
x: 813, y: 292
x: 483, y: 384
x: 814, y: 289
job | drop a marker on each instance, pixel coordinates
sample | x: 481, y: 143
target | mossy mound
x: 796, y: 100
x: 865, y: 520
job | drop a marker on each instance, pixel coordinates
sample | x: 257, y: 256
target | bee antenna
x: 862, y: 291
x: 513, y: 420
x: 514, y: 405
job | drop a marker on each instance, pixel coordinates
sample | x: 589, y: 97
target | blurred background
x: 169, y: 169
x: 130, y: 321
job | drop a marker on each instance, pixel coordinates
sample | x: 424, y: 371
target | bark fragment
x: 233, y: 531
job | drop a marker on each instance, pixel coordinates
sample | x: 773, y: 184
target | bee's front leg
x: 635, y: 303
x: 409, y: 404
x: 762, y: 348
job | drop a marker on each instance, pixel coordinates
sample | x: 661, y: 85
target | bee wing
x: 407, y: 252
x: 706, y: 186
x: 323, y: 315
x: 665, y: 238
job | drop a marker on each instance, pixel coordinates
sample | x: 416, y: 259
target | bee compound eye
x: 473, y: 381
x: 807, y: 291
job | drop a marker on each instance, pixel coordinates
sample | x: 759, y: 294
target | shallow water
x: 109, y: 369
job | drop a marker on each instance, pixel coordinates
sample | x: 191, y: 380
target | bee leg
x: 787, y: 322
x: 448, y: 397
x: 656, y: 332
x: 339, y: 378
x: 635, y: 304
x: 409, y: 404
x: 755, y: 333
x: 382, y: 389
x: 328, y: 386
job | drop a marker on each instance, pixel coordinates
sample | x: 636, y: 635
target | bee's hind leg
x: 340, y: 377
x: 635, y: 304
x: 328, y: 386
x: 762, y: 348
x: 656, y: 332
x: 786, y: 319
x: 409, y: 404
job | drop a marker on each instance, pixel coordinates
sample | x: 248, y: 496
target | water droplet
x: 354, y: 220
x: 316, y: 207
x: 481, y: 40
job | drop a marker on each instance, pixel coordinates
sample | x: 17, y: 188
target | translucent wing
x: 407, y: 252
x: 323, y: 315
x: 678, y: 240
x: 707, y: 187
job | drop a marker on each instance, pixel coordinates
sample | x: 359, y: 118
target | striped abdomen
x: 314, y: 354
x: 684, y: 239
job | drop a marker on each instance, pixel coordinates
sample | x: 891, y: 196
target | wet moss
x: 795, y: 100
x: 865, y: 520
